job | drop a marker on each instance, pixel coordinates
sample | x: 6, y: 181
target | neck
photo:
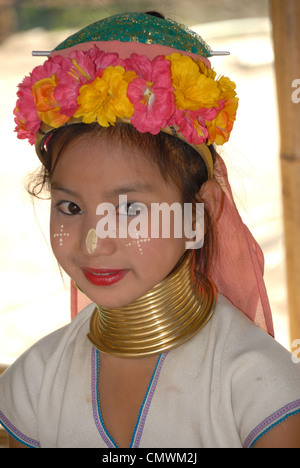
x: 167, y: 316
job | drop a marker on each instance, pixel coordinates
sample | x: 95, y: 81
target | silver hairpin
x: 46, y: 53
x: 41, y: 53
x: 219, y: 52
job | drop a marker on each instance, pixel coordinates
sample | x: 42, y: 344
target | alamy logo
x: 296, y: 351
x: 296, y: 93
x: 160, y: 220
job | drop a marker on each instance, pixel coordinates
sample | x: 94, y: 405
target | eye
x: 68, y: 208
x: 130, y: 209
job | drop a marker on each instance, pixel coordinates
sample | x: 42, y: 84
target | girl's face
x: 111, y: 271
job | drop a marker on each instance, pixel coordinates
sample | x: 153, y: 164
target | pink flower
x: 26, y: 128
x: 50, y: 92
x: 80, y: 68
x: 191, y: 125
x: 49, y: 68
x: 74, y: 72
x: 151, y: 93
x: 26, y: 117
x: 83, y: 64
x: 103, y: 60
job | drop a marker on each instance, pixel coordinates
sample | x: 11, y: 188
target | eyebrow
x: 122, y: 190
x: 129, y: 188
x: 56, y: 186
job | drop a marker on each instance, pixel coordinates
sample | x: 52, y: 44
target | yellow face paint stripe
x: 91, y: 241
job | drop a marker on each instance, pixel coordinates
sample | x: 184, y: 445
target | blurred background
x: 34, y: 295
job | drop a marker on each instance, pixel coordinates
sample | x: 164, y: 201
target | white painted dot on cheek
x: 61, y: 235
x: 138, y: 242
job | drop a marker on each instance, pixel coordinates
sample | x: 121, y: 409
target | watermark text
x: 159, y: 220
x: 296, y: 93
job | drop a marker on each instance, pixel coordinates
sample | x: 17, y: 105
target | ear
x: 212, y: 196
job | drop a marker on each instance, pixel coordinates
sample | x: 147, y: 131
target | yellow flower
x: 193, y: 90
x: 220, y: 128
x: 206, y: 71
x: 105, y: 99
x: 227, y: 88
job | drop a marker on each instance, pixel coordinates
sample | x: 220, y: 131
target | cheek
x: 154, y: 256
x: 138, y: 243
x: 159, y: 229
x: 59, y: 235
x: 60, y: 239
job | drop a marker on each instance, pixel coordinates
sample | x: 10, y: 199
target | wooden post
x: 285, y: 16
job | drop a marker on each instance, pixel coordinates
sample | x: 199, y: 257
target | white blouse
x: 225, y: 387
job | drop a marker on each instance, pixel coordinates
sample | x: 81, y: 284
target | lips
x: 103, y: 277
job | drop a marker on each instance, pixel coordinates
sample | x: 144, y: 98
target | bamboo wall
x: 285, y: 16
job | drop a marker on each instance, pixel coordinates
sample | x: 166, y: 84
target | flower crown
x: 176, y: 91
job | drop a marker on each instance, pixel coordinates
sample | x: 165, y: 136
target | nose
x: 95, y: 246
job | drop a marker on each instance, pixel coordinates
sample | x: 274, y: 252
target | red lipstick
x: 103, y: 277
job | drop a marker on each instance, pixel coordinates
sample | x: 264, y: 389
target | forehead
x: 90, y: 156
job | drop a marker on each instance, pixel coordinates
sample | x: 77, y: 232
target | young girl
x: 174, y: 349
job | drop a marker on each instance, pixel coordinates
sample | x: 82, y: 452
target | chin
x: 112, y: 303
x: 118, y: 295
x: 114, y: 300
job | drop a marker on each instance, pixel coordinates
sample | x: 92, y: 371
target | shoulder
x: 67, y: 334
x: 283, y: 435
x: 230, y: 334
x: 263, y: 377
x: 248, y: 350
x: 236, y: 334
x: 230, y: 338
x: 227, y: 316
x: 51, y: 347
x: 21, y: 383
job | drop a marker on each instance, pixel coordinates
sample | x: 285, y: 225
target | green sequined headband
x: 138, y: 27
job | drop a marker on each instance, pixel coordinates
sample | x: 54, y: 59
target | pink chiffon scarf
x: 237, y: 266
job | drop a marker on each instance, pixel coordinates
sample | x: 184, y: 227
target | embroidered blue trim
x: 16, y: 434
x: 106, y: 437
x: 139, y: 427
x: 267, y: 424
